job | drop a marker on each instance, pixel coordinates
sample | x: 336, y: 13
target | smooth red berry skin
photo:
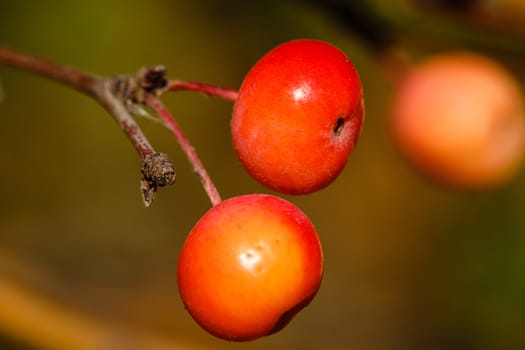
x: 459, y: 117
x: 298, y: 116
x: 248, y: 265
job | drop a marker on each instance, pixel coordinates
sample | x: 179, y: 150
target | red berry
x: 249, y: 264
x: 459, y: 117
x: 298, y: 116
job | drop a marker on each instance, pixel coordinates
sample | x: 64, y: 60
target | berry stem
x: 188, y: 149
x: 213, y: 90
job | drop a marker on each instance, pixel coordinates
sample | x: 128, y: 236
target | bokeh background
x: 84, y: 265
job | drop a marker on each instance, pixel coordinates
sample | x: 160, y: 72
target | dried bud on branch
x: 157, y: 171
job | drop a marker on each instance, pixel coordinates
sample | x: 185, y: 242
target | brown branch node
x: 152, y: 79
x: 132, y: 89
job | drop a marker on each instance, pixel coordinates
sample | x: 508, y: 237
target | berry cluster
x: 253, y: 261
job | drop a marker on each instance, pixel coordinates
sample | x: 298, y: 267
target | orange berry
x: 249, y: 264
x: 459, y: 117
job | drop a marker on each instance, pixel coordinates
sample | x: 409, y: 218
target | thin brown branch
x: 72, y: 77
x: 103, y: 91
x: 157, y: 169
x: 98, y: 88
x: 119, y: 112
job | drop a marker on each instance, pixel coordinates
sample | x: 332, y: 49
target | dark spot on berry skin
x: 339, y: 124
x: 287, y: 316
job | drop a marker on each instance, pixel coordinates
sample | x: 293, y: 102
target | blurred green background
x: 409, y: 264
